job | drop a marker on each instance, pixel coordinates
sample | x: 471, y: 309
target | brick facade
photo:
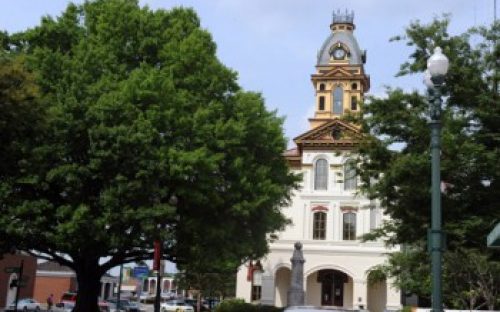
x: 29, y: 271
x: 46, y: 285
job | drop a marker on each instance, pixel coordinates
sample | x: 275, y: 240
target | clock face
x: 338, y: 53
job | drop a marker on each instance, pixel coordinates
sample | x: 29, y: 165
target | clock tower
x: 328, y: 212
x: 340, y: 81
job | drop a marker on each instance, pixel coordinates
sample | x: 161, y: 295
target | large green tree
x: 21, y: 121
x: 396, y: 159
x: 148, y: 136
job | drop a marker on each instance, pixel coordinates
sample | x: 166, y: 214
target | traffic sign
x: 141, y: 271
x: 11, y: 270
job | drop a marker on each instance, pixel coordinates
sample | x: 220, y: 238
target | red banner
x: 157, y: 255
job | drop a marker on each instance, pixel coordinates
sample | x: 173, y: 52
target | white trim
x: 54, y: 273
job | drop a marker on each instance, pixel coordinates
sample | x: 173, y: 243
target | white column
x: 243, y: 286
x: 393, y: 296
x: 267, y: 297
x: 102, y: 290
x: 359, y: 296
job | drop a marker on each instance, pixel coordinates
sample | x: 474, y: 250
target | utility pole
x: 157, y: 266
x: 119, y: 288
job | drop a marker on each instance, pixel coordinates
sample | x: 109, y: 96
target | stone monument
x: 296, y: 291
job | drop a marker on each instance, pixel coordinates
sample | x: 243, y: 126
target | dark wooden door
x: 327, y: 293
x: 338, y: 293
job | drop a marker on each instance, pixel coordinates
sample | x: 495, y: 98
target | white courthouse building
x: 327, y: 212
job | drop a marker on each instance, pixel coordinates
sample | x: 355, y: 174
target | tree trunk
x: 88, y: 277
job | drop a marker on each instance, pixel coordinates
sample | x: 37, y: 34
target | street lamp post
x: 437, y: 67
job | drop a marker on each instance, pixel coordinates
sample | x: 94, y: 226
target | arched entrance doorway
x: 11, y: 291
x: 107, y: 290
x: 329, y: 287
x: 282, y: 280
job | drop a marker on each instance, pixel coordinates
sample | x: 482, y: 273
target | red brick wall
x: 28, y: 271
x: 46, y: 285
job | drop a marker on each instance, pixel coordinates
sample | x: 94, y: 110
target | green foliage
x: 21, y: 122
x: 472, y: 280
x: 396, y: 159
x: 139, y: 112
x: 208, y: 284
x: 239, y: 305
x: 233, y: 305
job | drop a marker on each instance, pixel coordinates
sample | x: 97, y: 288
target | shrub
x: 239, y: 305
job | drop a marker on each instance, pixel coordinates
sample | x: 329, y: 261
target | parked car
x: 66, y: 307
x: 67, y: 298
x: 104, y: 306
x: 26, y: 304
x: 125, y: 305
x: 194, y: 303
x: 168, y: 295
x: 146, y: 298
x: 176, y: 306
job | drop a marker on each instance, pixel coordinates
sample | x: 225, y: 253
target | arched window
x: 338, y: 102
x: 349, y: 226
x: 321, y: 105
x: 354, y: 86
x: 166, y: 286
x: 321, y: 175
x: 152, y: 286
x: 350, y: 178
x: 319, y: 225
x: 321, y: 87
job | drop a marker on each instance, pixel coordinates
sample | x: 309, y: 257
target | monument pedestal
x: 296, y: 292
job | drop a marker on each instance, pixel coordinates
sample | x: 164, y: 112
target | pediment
x: 337, y: 72
x: 332, y: 133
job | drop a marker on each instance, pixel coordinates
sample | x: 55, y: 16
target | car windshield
x: 67, y: 297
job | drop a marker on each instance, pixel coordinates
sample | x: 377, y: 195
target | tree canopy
x: 146, y: 135
x: 396, y: 157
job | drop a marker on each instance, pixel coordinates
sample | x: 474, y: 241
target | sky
x: 263, y: 39
x: 273, y: 44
